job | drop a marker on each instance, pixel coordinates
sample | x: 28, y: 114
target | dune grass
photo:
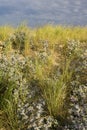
x: 52, y: 49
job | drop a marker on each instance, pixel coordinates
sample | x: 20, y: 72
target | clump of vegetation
x: 46, y: 57
x: 12, y: 85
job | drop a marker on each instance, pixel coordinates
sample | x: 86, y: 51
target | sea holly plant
x: 13, y: 87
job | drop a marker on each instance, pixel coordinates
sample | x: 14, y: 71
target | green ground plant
x: 45, y: 57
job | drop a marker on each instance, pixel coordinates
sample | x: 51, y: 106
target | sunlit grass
x: 5, y: 32
x: 52, y: 49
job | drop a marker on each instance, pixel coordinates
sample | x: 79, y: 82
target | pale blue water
x: 40, y: 12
